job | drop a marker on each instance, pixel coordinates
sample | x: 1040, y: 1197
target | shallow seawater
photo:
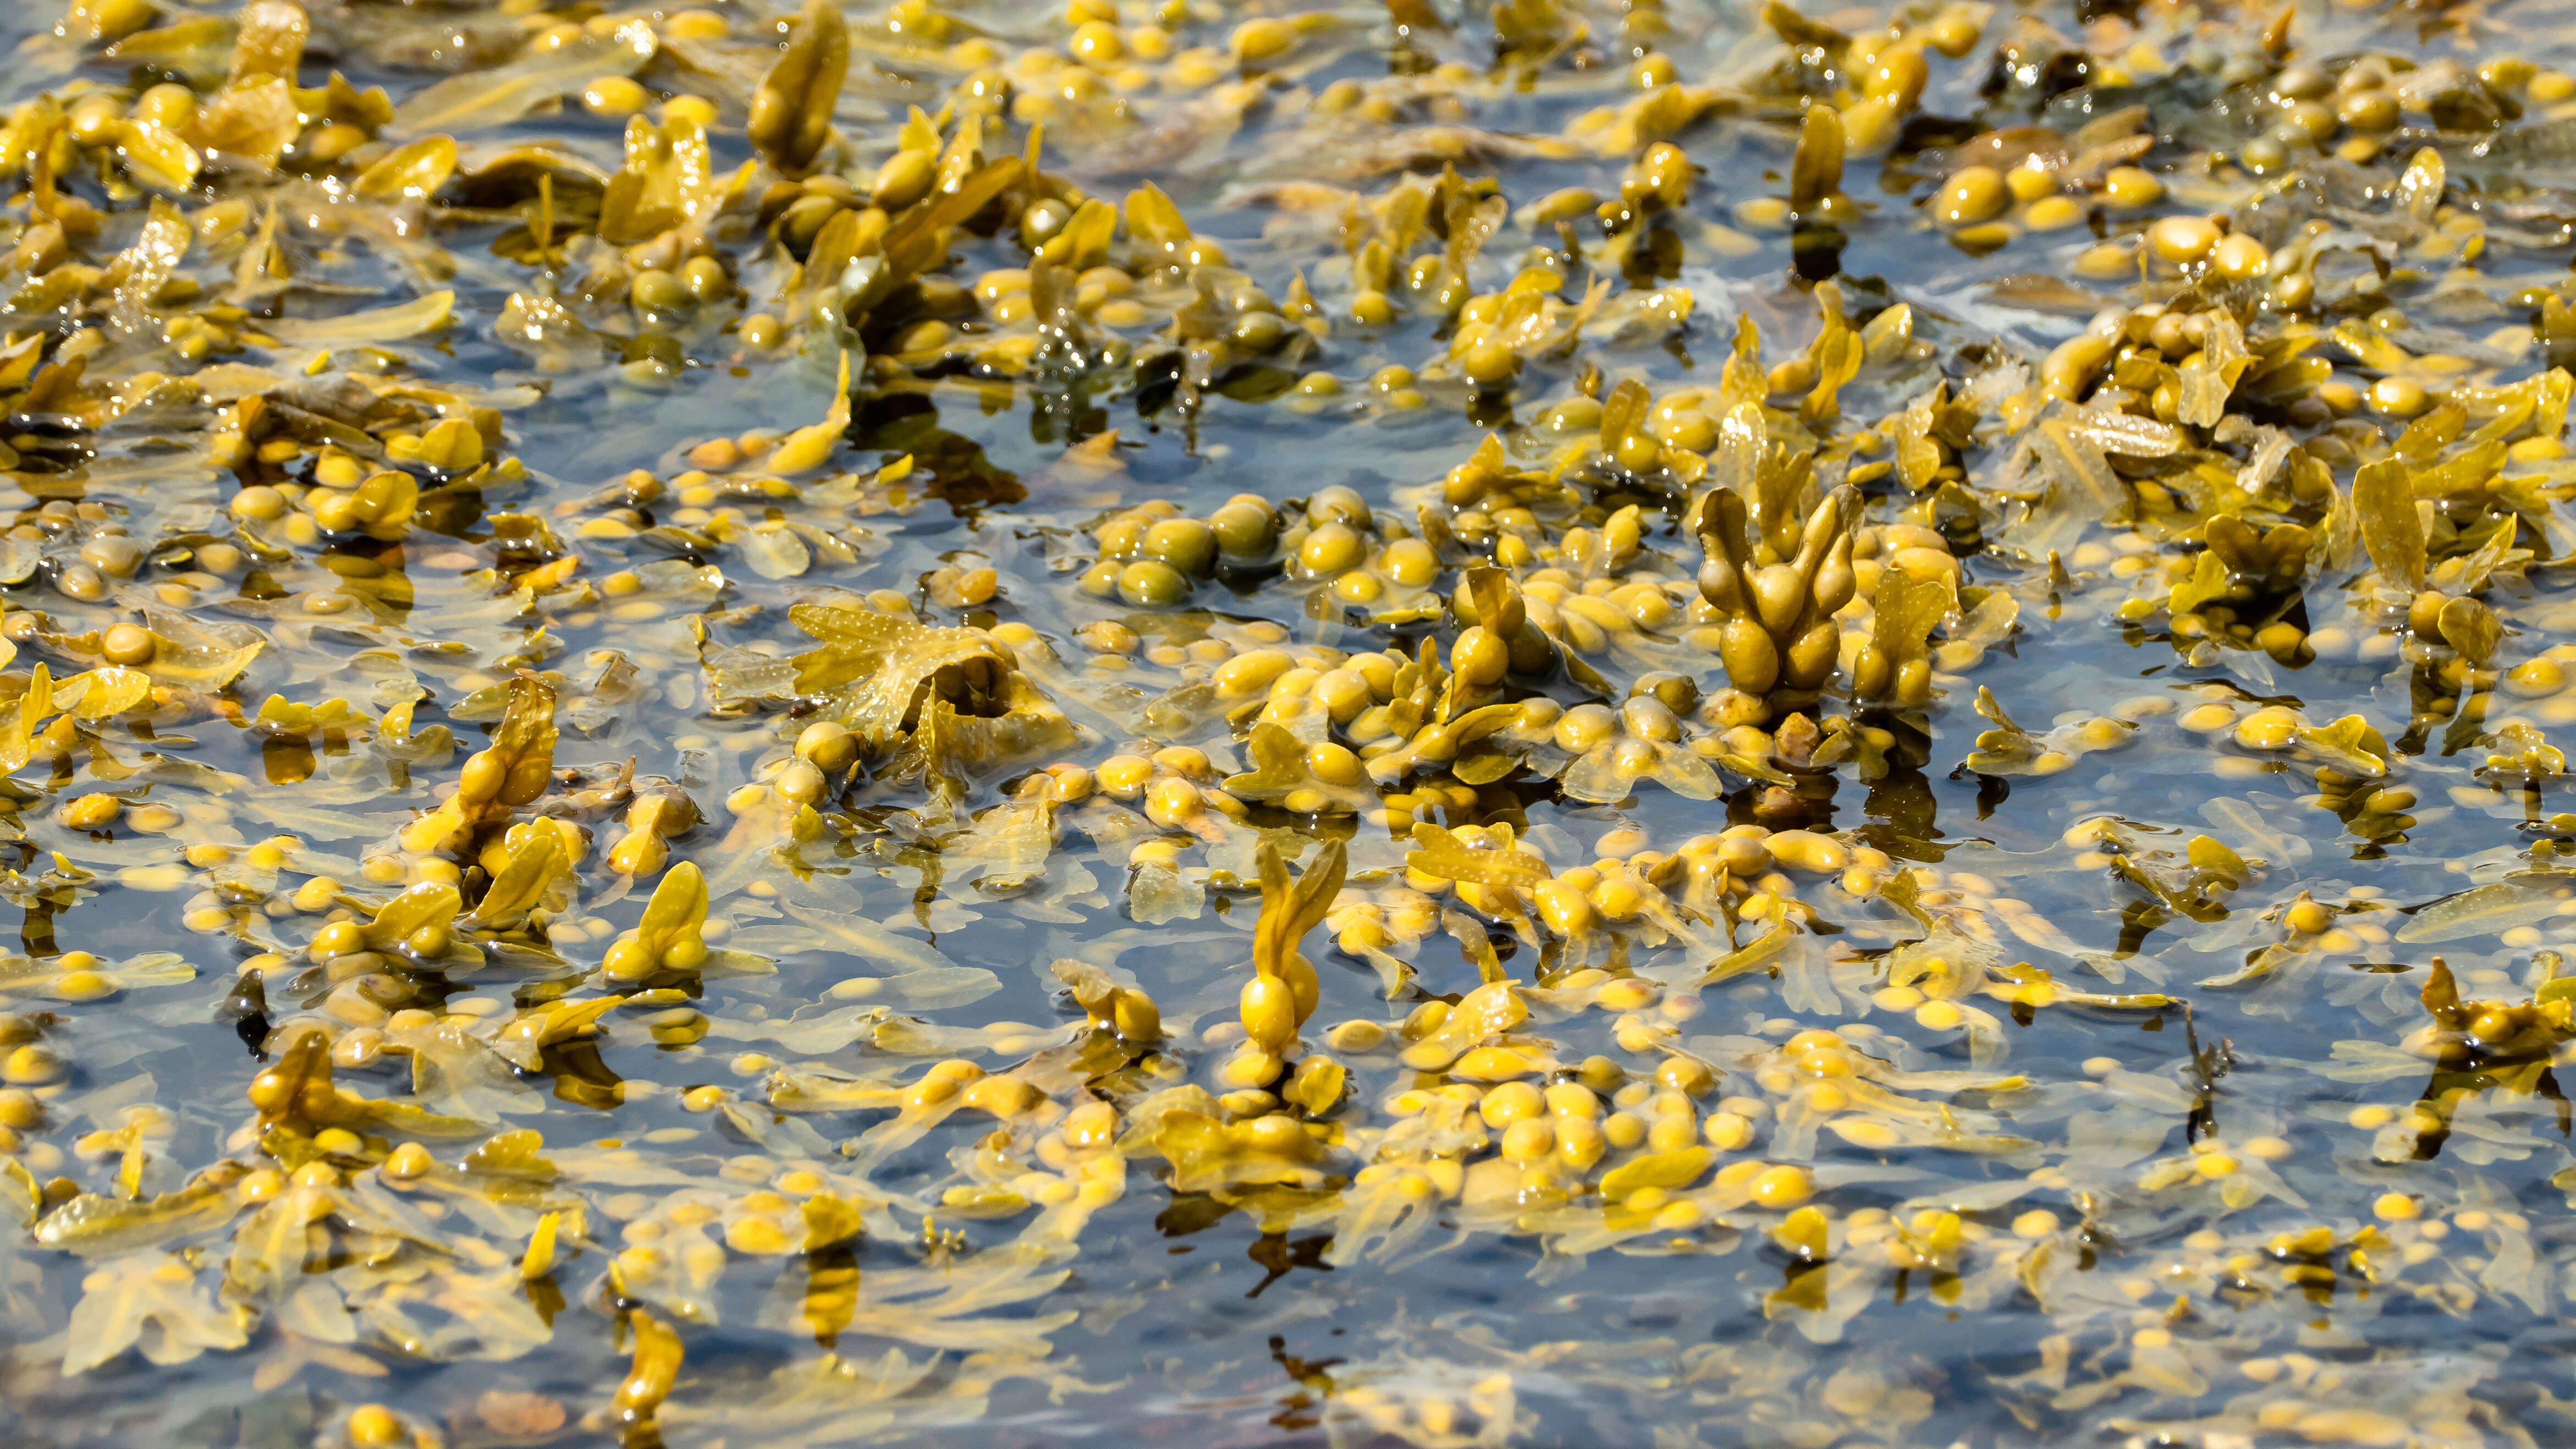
x: 2098, y: 982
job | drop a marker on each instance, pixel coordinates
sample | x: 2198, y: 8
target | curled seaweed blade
x: 791, y: 113
x: 2383, y: 498
x: 1896, y: 662
x: 1816, y: 171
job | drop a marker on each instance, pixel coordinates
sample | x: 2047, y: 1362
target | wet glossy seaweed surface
x: 1459, y: 725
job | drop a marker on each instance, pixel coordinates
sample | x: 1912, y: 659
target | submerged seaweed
x: 1725, y: 727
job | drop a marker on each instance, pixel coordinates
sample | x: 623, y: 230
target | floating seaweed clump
x: 755, y: 726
